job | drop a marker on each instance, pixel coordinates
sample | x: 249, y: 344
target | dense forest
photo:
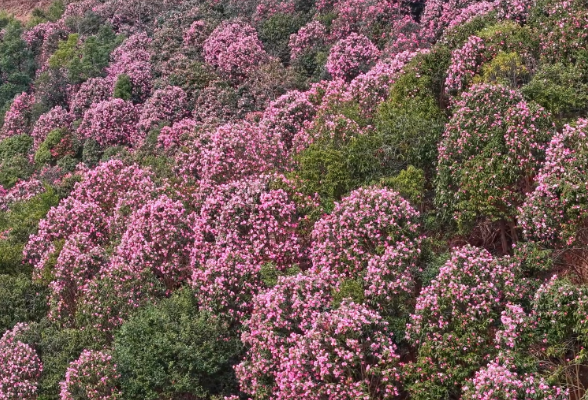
x: 294, y: 199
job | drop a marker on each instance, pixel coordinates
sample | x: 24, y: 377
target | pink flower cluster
x: 351, y: 56
x: 234, y: 48
x: 56, y: 118
x: 310, y: 37
x: 21, y: 366
x: 555, y: 212
x: 111, y: 122
x: 94, y: 90
x: 21, y: 191
x: 464, y: 64
x: 18, y: 117
x: 166, y: 105
x: 92, y: 376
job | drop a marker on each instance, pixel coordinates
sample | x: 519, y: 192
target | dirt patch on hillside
x: 22, y: 8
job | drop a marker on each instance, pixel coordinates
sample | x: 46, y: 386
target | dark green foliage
x: 172, y: 350
x: 21, y: 300
x: 84, y: 60
x: 333, y: 169
x: 410, y: 183
x: 17, y: 64
x: 51, y: 88
x: 411, y: 122
x: 58, y: 144
x: 560, y: 88
x: 15, y: 145
x: 457, y: 36
x: 91, y: 152
x: 13, y: 169
x: 123, y: 89
x: 20, y: 221
x: 275, y: 34
x: 52, y: 13
x: 58, y: 347
x: 432, y: 68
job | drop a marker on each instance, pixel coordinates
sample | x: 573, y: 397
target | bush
x: 21, y: 300
x: 411, y: 122
x: 123, y: 89
x: 174, y: 350
x: 15, y: 146
x: 14, y: 169
x: 560, y: 88
x: 275, y: 33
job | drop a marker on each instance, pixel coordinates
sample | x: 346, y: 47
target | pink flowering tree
x: 454, y: 319
x: 285, y: 117
x: 346, y: 354
x: 366, y: 17
x: 111, y: 122
x: 21, y: 366
x: 166, y: 105
x: 93, y: 376
x: 555, y: 213
x: 351, y: 56
x: 278, y: 317
x: 309, y: 39
x: 171, y: 137
x: 235, y: 151
x: 94, y: 90
x: 132, y: 58
x: 498, y: 380
x: 264, y: 218
x: 234, y: 49
x: 17, y: 120
x: 488, y: 158
x: 362, y: 226
x: 465, y: 63
x: 158, y: 238
x: 56, y: 118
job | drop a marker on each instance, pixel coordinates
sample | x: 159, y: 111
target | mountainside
x: 294, y: 199
x: 22, y: 8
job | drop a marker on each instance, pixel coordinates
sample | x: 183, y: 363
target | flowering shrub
x: 111, y: 122
x: 555, y: 212
x: 310, y: 38
x: 278, y: 315
x: 346, y: 354
x: 497, y: 381
x: 453, y: 315
x: 92, y: 91
x: 93, y: 376
x: 255, y: 219
x: 234, y: 48
x: 170, y: 137
x: 464, y: 64
x: 21, y: 366
x: 132, y: 58
x: 286, y: 116
x: 167, y: 105
x: 487, y: 160
x: 363, y: 225
x: 18, y: 117
x: 157, y: 239
x: 56, y: 118
x: 235, y: 151
x: 351, y: 56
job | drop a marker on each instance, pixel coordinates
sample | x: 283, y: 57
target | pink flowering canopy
x: 487, y: 160
x: 93, y: 376
x: 21, y: 366
x: 111, y: 122
x: 234, y: 48
x: 351, y: 56
x: 555, y: 212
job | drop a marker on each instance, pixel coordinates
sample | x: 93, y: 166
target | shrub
x: 93, y: 375
x: 15, y: 146
x: 234, y: 48
x: 174, y: 350
x: 111, y: 122
x: 351, y: 56
x: 487, y: 160
x: 21, y: 300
